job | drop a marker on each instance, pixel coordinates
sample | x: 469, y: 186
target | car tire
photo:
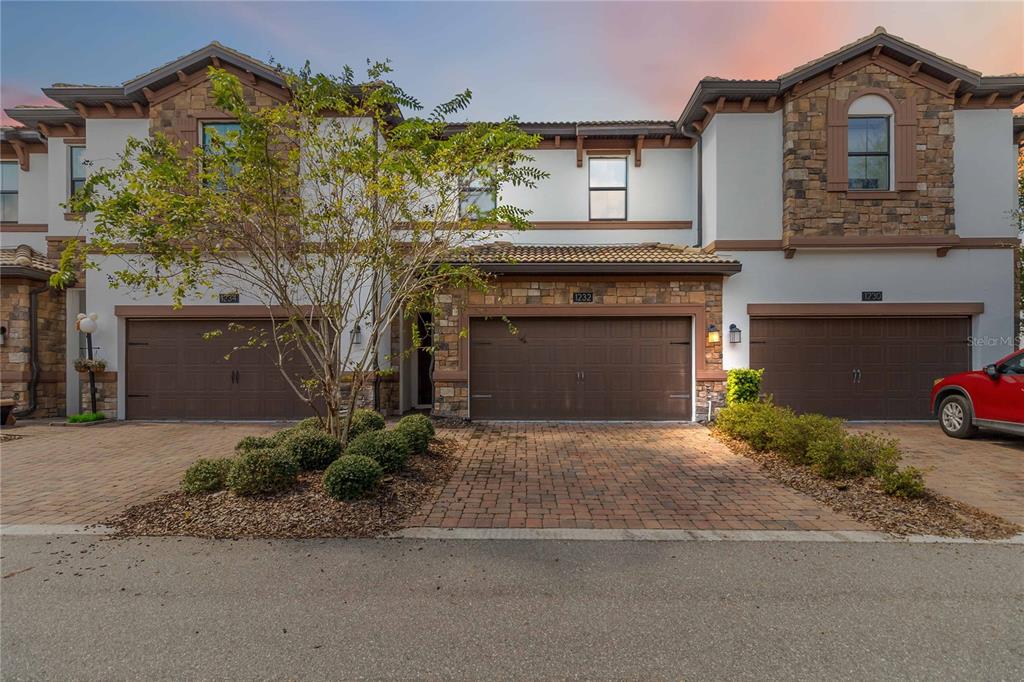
x: 956, y: 417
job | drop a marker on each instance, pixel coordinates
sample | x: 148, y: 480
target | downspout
x: 33, y: 334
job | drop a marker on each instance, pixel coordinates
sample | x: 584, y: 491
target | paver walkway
x: 67, y: 475
x: 986, y: 471
x: 577, y: 475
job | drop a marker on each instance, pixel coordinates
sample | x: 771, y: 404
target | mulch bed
x: 864, y: 501
x: 306, y: 511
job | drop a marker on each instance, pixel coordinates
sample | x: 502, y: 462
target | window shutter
x: 905, y: 144
x: 835, y: 153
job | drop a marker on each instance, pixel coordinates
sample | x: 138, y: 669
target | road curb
x: 606, y: 535
x: 54, y: 529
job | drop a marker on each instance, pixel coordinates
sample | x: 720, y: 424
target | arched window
x: 871, y: 145
x: 869, y: 135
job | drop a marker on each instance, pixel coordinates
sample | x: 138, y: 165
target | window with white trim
x: 608, y: 179
x: 869, y: 138
x: 476, y: 198
x: 9, y: 191
x: 76, y: 168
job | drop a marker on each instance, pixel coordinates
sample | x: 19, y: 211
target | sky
x: 541, y: 61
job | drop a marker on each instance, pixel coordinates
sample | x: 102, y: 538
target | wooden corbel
x: 666, y: 141
x: 138, y: 108
x: 875, y: 52
x: 22, y: 153
x: 72, y: 131
x: 942, y: 251
x: 789, y: 252
x: 149, y: 94
x: 110, y: 109
x: 992, y: 99
x: 43, y: 128
x: 835, y: 70
x: 579, y: 151
x: 638, y: 149
x: 182, y: 76
x: 216, y: 61
x: 82, y: 110
x: 746, y: 104
x: 771, y: 103
x: 951, y: 88
x: 558, y: 141
x: 914, y: 68
x: 966, y: 98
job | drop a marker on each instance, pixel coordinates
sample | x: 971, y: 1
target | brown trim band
x: 621, y: 144
x: 613, y: 225
x: 611, y: 268
x: 23, y: 227
x: 227, y: 310
x: 864, y: 309
x: 744, y: 245
x: 861, y: 242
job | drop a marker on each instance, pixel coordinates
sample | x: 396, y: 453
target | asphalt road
x: 85, y: 608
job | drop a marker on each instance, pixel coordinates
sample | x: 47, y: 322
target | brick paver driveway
x: 65, y: 475
x: 986, y: 471
x: 573, y: 475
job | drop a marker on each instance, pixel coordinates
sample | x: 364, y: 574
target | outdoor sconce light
x: 357, y: 335
x: 714, y: 336
x: 3, y: 335
x: 735, y: 335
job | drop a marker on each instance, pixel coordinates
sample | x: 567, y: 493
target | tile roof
x: 504, y: 252
x: 24, y: 256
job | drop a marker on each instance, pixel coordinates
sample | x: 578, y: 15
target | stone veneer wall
x: 15, y: 353
x: 809, y: 210
x: 106, y: 393
x: 451, y: 396
x: 178, y: 116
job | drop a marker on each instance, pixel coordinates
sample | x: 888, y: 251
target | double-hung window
x: 222, y: 134
x: 9, y: 192
x: 76, y: 169
x: 868, y: 153
x: 476, y: 198
x: 608, y: 188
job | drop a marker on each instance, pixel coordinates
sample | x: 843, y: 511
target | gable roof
x: 71, y: 94
x: 912, y: 57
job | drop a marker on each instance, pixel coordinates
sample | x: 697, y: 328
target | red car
x: 992, y: 398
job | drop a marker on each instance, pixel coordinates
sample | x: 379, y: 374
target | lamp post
x: 87, y: 325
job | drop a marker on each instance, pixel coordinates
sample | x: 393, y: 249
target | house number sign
x: 583, y: 297
x: 228, y: 298
x: 871, y: 295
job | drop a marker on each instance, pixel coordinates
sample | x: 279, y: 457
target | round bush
x: 314, y: 423
x: 262, y: 471
x: 255, y: 443
x: 206, y: 475
x: 415, y: 434
x: 312, y: 449
x: 420, y: 419
x: 351, y: 477
x: 389, y: 449
x: 364, y: 421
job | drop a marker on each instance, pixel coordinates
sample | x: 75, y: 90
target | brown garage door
x: 580, y: 368
x: 174, y: 373
x: 858, y: 368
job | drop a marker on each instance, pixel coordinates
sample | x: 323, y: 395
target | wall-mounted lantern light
x: 3, y: 335
x: 735, y: 335
x: 714, y: 336
x: 357, y: 335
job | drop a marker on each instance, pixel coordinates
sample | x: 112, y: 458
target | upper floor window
x: 76, y: 169
x: 225, y: 134
x: 476, y: 198
x: 608, y: 188
x: 9, y: 192
x: 868, y: 153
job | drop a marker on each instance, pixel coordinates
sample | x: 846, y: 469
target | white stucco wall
x: 839, y: 276
x: 32, y: 191
x: 662, y: 188
x: 743, y: 177
x: 57, y: 188
x: 984, y: 172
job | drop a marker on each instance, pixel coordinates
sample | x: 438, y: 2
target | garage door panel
x: 174, y: 372
x: 580, y: 368
x: 897, y: 359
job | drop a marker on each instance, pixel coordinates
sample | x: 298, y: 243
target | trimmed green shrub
x: 314, y: 423
x: 86, y: 417
x: 261, y: 471
x: 312, y: 449
x: 364, y: 421
x: 793, y: 435
x: 743, y: 386
x: 352, y: 476
x: 255, y: 443
x: 421, y: 419
x: 417, y: 431
x: 827, y: 455
x: 752, y: 422
x: 905, y: 482
x: 854, y: 455
x: 206, y: 475
x: 390, y: 449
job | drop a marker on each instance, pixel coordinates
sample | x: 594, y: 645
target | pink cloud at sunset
x: 12, y: 95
